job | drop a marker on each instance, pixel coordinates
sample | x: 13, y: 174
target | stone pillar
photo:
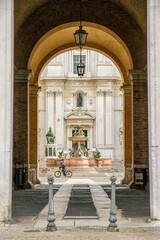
x: 100, y: 119
x: 140, y: 121
x: 50, y: 110
x: 6, y: 100
x: 33, y: 133
x: 41, y: 123
x: 20, y: 137
x: 108, y: 128
x: 59, y: 120
x: 67, y: 135
x: 105, y: 122
x: 154, y: 105
x: 90, y: 138
x: 127, y: 137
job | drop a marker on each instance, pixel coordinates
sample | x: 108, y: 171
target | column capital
x: 126, y: 88
x: 54, y: 90
x: 59, y: 92
x: 138, y: 75
x: 33, y: 90
x: 50, y: 93
x: 23, y: 75
x: 101, y: 92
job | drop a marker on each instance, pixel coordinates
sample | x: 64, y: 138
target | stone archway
x: 55, y: 35
x: 38, y: 64
x: 33, y: 19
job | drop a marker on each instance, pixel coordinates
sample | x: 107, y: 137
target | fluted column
x: 153, y: 15
x: 127, y: 137
x: 6, y: 100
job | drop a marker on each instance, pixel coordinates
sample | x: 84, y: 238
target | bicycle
x: 65, y: 172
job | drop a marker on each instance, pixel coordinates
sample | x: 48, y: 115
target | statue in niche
x: 50, y: 137
x: 79, y: 132
x: 54, y: 152
x: 79, y: 100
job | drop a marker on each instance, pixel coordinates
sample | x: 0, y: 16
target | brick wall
x: 20, y: 132
x: 140, y: 122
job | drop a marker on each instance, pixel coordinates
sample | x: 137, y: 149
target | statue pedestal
x: 78, y: 162
x: 83, y: 162
x: 103, y: 162
x: 51, y: 150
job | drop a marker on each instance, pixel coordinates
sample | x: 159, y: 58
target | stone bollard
x: 112, y: 218
x: 51, y: 217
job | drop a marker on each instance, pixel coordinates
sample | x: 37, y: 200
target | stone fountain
x: 78, y: 143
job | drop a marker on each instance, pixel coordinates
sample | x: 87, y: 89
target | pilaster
x: 140, y: 118
x: 128, y: 157
x: 91, y: 137
x: 140, y: 125
x: 6, y: 100
x: 154, y: 105
x: 59, y: 121
x: 105, y: 121
x: 33, y: 133
x: 108, y: 117
x: 100, y: 118
x: 21, y: 134
x: 51, y: 110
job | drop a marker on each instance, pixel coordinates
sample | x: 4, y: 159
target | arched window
x: 79, y: 100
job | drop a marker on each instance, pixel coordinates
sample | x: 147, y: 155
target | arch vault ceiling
x: 45, y: 27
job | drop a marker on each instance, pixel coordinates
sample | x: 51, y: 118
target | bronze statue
x: 50, y: 137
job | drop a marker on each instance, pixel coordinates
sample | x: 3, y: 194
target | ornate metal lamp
x: 80, y: 36
x: 80, y: 66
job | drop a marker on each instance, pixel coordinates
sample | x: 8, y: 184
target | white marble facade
x: 100, y: 110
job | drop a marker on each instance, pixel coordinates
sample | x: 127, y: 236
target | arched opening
x: 54, y: 43
x: 117, y: 30
x: 93, y: 102
x: 61, y: 39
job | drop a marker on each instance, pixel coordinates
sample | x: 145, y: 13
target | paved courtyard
x: 73, y: 222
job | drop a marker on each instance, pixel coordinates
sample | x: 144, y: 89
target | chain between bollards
x: 51, y: 216
x: 112, y: 218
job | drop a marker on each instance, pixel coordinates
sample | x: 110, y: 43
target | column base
x: 33, y: 175
x: 128, y: 178
x: 140, y: 177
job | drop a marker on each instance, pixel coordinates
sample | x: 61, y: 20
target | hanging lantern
x: 80, y: 69
x: 80, y: 36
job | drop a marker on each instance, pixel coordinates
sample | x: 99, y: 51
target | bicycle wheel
x: 68, y: 174
x: 57, y: 174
